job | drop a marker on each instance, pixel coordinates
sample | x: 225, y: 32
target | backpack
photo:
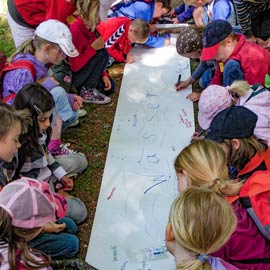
x: 5, y: 66
x: 255, y: 197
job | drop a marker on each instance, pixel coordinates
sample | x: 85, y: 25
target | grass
x: 91, y: 138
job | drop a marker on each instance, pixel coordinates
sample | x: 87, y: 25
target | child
x: 34, y: 159
x: 216, y: 98
x: 119, y: 34
x: 47, y: 46
x: 203, y: 163
x: 189, y: 44
x: 26, y: 205
x: 13, y: 123
x: 89, y: 74
x: 237, y: 58
x: 182, y: 13
x: 64, y: 243
x: 210, y: 10
x: 146, y: 10
x: 188, y: 236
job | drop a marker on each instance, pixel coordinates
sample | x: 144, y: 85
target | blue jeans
x: 64, y: 244
x: 232, y: 71
x: 206, y: 78
x: 63, y: 107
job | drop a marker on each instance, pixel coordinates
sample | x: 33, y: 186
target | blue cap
x: 235, y: 122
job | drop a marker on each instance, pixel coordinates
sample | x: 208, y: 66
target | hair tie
x: 203, y: 258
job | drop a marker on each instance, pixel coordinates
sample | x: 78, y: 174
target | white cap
x: 104, y: 8
x: 57, y: 32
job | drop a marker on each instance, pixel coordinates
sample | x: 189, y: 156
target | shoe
x: 110, y: 62
x: 74, y: 124
x: 94, y: 96
x: 82, y: 112
x: 64, y: 150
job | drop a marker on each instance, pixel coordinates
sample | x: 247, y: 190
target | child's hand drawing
x: 194, y: 96
x: 184, y: 84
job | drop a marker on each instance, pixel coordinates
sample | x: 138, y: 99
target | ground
x: 90, y: 137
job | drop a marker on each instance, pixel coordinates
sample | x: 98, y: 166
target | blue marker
x: 179, y: 79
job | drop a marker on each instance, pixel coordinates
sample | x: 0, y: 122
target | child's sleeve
x: 186, y: 15
x: 155, y: 42
x: 178, y: 10
x: 56, y: 169
x: 14, y: 80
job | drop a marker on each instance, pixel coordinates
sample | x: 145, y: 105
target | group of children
x: 209, y: 227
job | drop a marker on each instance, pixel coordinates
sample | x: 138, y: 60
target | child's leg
x: 206, y: 78
x: 232, y: 71
x: 90, y: 75
x: 56, y: 245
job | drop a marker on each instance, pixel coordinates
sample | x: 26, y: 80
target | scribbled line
x: 152, y: 118
x: 143, y: 125
x: 134, y: 120
x: 139, y: 161
x: 111, y: 194
x: 150, y: 95
x: 153, y: 158
x: 160, y: 181
x: 185, y: 121
x: 162, y: 139
x: 184, y: 112
x: 152, y: 106
x: 148, y: 136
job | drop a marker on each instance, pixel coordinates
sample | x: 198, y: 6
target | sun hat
x: 213, y: 99
x: 213, y: 34
x: 104, y: 8
x: 57, y: 32
x: 188, y: 40
x: 236, y: 122
x: 31, y: 203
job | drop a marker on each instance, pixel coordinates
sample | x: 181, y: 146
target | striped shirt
x: 243, y: 8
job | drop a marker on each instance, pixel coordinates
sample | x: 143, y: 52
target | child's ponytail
x: 239, y: 87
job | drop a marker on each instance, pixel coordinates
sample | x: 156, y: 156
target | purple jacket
x: 219, y: 264
x: 246, y: 243
x: 14, y: 80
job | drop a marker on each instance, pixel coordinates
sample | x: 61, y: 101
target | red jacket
x: 33, y: 12
x: 254, y: 60
x: 82, y: 39
x: 114, y: 32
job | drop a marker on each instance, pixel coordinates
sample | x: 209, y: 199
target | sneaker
x: 82, y: 112
x: 110, y: 62
x: 94, y: 96
x: 74, y: 124
x: 64, y: 150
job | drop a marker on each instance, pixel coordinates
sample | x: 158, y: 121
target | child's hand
x: 67, y: 183
x: 98, y: 44
x: 52, y: 227
x: 267, y: 44
x: 195, y: 136
x: 153, y: 28
x: 77, y: 103
x: 130, y: 58
x: 175, y: 20
x: 172, y: 12
x: 107, y: 83
x: 194, y: 96
x: 182, y: 85
x: 167, y: 42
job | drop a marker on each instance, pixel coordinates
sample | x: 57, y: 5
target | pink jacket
x: 259, y: 104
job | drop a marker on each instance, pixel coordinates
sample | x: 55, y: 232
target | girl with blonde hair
x: 203, y: 164
x: 188, y: 234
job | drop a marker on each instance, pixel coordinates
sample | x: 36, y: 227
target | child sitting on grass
x: 119, y: 35
x: 188, y: 234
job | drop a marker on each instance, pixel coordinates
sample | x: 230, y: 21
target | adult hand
x: 52, y: 227
x: 107, y: 83
x: 194, y: 96
x: 77, y: 103
x: 98, y: 44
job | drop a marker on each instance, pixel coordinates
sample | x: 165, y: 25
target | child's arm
x: 186, y: 15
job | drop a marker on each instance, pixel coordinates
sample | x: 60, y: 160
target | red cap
x: 210, y: 52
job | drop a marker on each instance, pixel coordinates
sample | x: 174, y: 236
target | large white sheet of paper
x: 152, y: 124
